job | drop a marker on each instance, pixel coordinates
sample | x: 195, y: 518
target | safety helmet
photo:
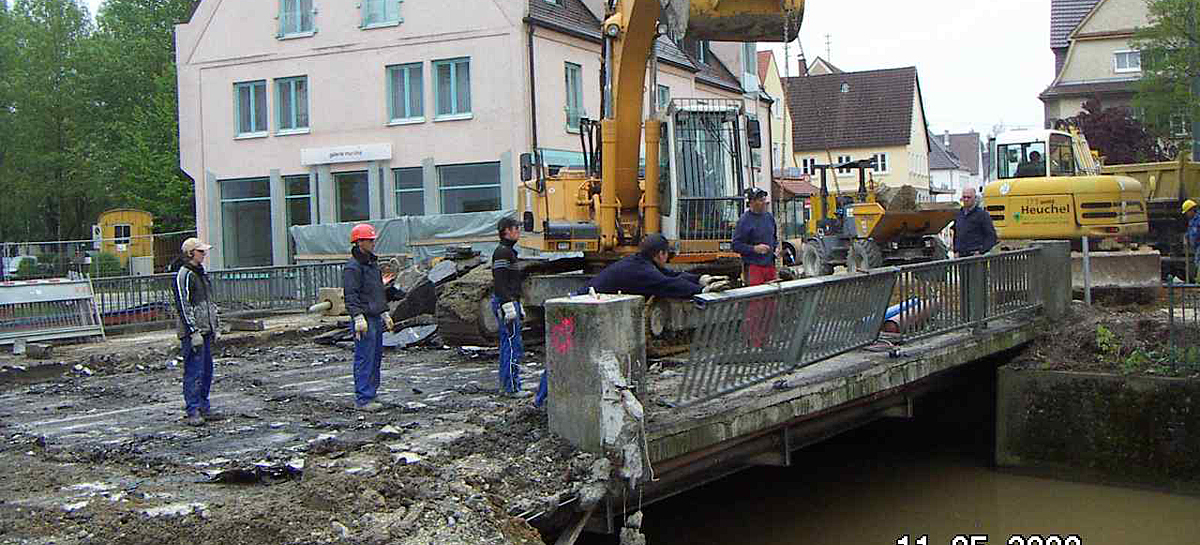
x: 362, y: 231
x: 1188, y: 205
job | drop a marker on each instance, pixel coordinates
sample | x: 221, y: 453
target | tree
x: 50, y: 195
x: 134, y: 51
x: 1119, y: 137
x: 1170, y: 61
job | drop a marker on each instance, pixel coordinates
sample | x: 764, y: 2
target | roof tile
x: 876, y: 110
x: 1065, y: 15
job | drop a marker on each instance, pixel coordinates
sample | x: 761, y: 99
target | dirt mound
x: 903, y: 198
x: 1132, y: 342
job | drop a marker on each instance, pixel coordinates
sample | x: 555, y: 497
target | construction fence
x: 100, y: 257
x: 138, y: 300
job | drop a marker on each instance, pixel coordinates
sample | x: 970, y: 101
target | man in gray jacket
x: 198, y: 326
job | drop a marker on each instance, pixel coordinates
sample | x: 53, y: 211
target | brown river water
x: 928, y: 476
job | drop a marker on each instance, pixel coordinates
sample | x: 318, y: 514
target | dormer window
x: 845, y: 87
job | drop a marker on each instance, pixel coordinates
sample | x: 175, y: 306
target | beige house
x: 781, y: 117
x: 1093, y: 55
x: 293, y: 115
x: 848, y: 116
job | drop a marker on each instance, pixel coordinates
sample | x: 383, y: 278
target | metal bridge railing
x: 934, y: 298
x: 129, y: 300
x: 749, y: 335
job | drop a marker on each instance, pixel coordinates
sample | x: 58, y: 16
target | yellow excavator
x: 689, y: 187
x: 1048, y: 185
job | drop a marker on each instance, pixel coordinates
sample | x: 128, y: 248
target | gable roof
x: 941, y: 158
x: 822, y: 67
x: 1065, y: 16
x: 764, y: 64
x: 574, y: 18
x: 965, y: 146
x: 876, y: 111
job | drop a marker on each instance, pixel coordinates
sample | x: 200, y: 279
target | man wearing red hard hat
x: 367, y: 303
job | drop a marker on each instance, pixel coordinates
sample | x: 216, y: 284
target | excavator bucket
x: 1130, y: 269
x: 736, y: 20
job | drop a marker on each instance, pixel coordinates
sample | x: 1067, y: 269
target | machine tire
x: 788, y: 255
x: 867, y: 255
x: 815, y: 259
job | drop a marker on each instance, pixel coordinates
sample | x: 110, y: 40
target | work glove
x: 719, y: 285
x: 387, y: 322
x: 197, y: 339
x: 510, y: 310
x: 786, y: 273
x: 360, y: 326
x: 706, y: 279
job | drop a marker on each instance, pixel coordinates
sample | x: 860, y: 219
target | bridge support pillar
x: 596, y: 357
x: 1054, y: 277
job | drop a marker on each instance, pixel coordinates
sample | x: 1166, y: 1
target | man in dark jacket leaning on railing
x: 974, y: 233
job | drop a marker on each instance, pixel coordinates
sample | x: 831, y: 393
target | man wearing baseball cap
x: 198, y: 326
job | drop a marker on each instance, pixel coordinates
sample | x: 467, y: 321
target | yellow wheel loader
x: 1047, y: 185
x: 857, y: 227
x: 696, y: 163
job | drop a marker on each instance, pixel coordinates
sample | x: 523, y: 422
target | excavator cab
x: 703, y: 152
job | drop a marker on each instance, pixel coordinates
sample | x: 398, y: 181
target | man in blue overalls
x: 506, y: 305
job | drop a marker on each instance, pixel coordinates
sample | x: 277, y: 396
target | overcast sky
x: 979, y: 63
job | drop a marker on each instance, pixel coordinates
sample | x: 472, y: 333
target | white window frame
x: 289, y: 85
x: 455, y: 113
x: 117, y: 238
x: 808, y: 165
x: 364, y: 8
x: 662, y: 96
x: 844, y: 171
x: 255, y: 131
x: 283, y: 33
x: 573, y: 95
x: 1130, y: 54
x: 881, y: 159
x: 408, y: 117
x: 776, y: 156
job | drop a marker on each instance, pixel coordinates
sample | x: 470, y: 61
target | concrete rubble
x: 94, y: 450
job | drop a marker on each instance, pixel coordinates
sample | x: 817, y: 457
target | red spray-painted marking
x: 562, y: 336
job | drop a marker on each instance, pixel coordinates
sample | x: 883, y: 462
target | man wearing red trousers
x: 755, y: 239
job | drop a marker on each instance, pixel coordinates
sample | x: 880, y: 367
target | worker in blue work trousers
x: 646, y: 273
x: 506, y: 305
x: 198, y: 326
x: 1192, y: 215
x: 367, y: 303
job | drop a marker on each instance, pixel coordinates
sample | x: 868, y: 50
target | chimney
x: 946, y: 139
x: 803, y: 64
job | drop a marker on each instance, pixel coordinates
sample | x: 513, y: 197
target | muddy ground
x: 94, y: 451
x: 1118, y: 335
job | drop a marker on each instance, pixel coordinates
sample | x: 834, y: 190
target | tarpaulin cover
x: 422, y: 237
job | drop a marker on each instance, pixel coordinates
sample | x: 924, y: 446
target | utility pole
x: 828, y: 50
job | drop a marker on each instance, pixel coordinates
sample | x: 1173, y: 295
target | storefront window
x: 246, y: 222
x: 410, y: 191
x: 353, y: 197
x: 469, y: 188
x: 299, y: 206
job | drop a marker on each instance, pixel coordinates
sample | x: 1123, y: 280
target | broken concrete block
x: 388, y: 432
x: 38, y: 350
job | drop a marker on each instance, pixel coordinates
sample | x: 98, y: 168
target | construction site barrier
x: 749, y: 335
x: 130, y: 300
x: 41, y: 310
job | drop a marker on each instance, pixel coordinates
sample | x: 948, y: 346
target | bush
x: 28, y: 268
x: 105, y: 264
